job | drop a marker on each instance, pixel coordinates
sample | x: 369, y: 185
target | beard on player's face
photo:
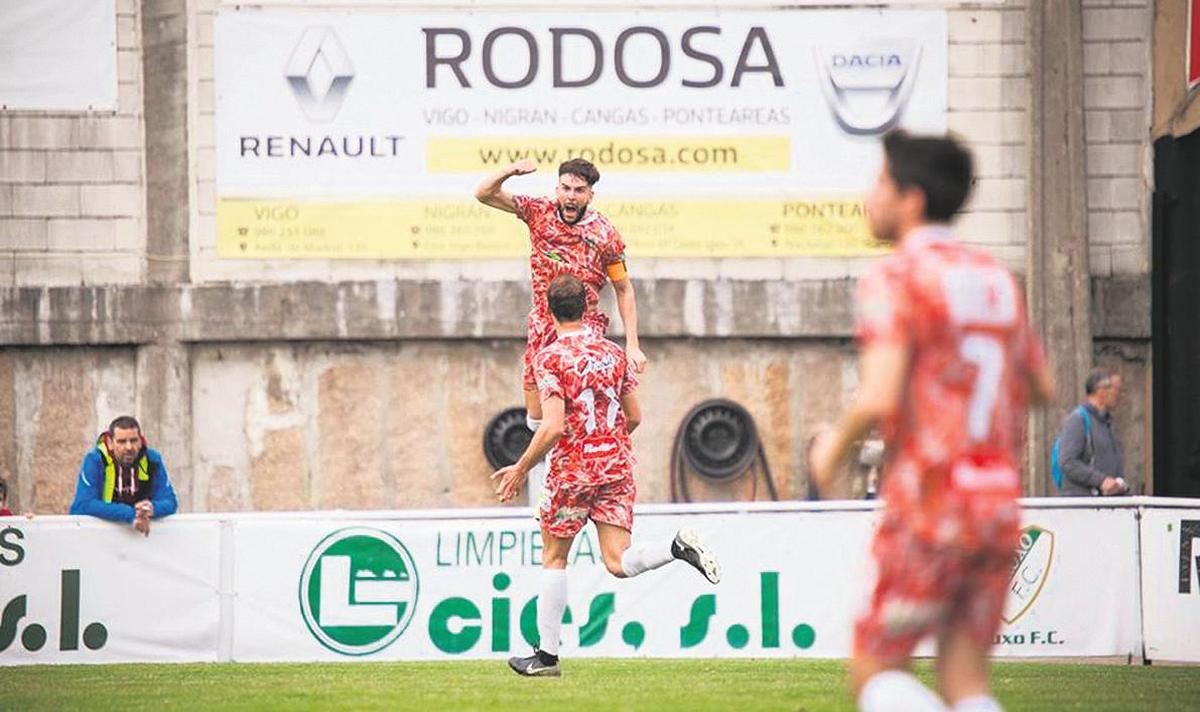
x: 573, y: 195
x: 572, y: 210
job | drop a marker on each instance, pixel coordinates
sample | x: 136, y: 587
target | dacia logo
x: 358, y: 590
x: 868, y: 82
x: 867, y: 60
x: 1031, y: 569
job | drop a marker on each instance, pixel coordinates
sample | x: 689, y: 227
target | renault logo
x: 319, y: 72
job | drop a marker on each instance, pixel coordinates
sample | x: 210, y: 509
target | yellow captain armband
x: 617, y: 271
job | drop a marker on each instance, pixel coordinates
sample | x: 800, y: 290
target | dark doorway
x: 1176, y: 316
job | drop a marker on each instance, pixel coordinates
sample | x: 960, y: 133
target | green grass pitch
x: 793, y: 685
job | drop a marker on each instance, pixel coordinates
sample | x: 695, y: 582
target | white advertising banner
x: 363, y: 134
x: 449, y: 585
x: 77, y: 590
x: 793, y: 583
x: 58, y: 55
x: 467, y: 589
x: 1073, y: 590
x: 1171, y: 583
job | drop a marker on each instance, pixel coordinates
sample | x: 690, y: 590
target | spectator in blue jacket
x: 123, y: 479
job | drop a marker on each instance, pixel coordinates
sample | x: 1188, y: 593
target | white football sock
x: 533, y: 424
x: 552, y: 599
x: 644, y: 556
x: 898, y: 691
x: 978, y: 703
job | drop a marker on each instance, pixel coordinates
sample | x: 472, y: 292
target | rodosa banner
x: 397, y: 586
x: 746, y: 133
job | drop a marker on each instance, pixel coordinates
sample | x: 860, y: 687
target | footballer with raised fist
x: 566, y: 235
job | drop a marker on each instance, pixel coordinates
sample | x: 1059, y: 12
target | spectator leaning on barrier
x: 122, y: 479
x: 1090, y: 456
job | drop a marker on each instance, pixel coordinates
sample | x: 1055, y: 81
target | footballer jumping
x: 566, y: 235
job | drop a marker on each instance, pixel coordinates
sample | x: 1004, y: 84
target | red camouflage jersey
x: 584, y: 249
x: 591, y: 375
x: 956, y: 441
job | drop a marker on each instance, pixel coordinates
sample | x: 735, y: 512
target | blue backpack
x: 1087, y: 434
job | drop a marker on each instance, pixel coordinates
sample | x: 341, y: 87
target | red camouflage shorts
x: 565, y: 508
x: 925, y: 589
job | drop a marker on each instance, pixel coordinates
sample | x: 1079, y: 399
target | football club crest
x: 1031, y: 569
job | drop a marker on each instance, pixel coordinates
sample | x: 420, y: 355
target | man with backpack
x: 1088, y: 459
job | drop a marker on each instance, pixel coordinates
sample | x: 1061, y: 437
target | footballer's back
x: 972, y: 351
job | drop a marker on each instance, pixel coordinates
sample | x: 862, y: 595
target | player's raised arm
x: 491, y: 191
x: 627, y: 308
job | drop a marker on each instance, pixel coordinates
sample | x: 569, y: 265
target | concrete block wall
x: 1117, y: 56
x: 72, y: 197
x: 987, y: 96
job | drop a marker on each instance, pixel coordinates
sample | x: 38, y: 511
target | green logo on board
x: 358, y: 590
x: 1030, y: 571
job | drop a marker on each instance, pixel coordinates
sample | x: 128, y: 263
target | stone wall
x: 389, y: 425
x: 53, y: 404
x: 324, y: 426
x: 400, y: 424
x: 319, y: 384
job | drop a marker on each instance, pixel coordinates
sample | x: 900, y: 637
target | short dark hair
x: 940, y: 166
x: 567, y: 297
x: 3, y: 488
x: 1096, y: 378
x: 124, y: 422
x: 582, y: 168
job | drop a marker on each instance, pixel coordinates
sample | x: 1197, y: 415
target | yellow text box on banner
x: 280, y: 229
x: 277, y: 229
x: 719, y: 154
